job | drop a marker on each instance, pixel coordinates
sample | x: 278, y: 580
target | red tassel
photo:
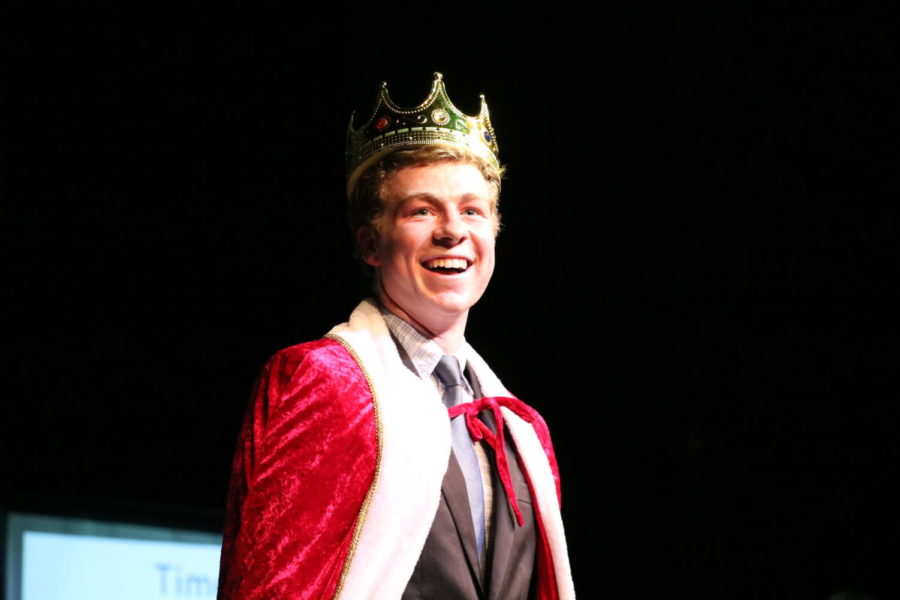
x: 479, y: 431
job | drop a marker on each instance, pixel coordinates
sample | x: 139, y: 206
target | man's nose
x: 451, y: 229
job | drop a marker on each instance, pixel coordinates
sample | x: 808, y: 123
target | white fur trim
x: 532, y: 453
x: 535, y: 459
x: 415, y: 451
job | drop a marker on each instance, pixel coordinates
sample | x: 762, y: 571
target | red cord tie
x: 479, y: 431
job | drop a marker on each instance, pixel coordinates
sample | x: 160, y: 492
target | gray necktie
x: 451, y: 375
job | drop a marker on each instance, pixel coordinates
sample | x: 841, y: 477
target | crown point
x: 435, y: 120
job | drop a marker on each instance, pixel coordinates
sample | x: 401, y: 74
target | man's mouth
x: 446, y: 265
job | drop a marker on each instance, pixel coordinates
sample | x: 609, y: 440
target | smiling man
x: 433, y: 245
x: 387, y: 460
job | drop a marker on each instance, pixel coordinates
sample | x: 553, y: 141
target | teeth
x: 446, y: 263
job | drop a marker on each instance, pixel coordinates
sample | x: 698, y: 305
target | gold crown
x: 434, y: 121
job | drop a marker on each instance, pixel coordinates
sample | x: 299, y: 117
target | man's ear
x: 367, y: 240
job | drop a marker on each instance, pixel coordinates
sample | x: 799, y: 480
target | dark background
x: 695, y: 284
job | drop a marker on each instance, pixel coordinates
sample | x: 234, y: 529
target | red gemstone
x: 382, y: 123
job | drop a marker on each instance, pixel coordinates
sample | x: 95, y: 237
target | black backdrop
x: 695, y: 284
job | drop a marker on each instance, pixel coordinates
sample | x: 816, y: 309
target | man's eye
x: 471, y: 212
x: 421, y: 211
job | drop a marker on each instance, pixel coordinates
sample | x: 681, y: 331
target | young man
x: 353, y: 478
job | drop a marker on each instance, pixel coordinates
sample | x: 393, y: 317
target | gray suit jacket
x: 449, y: 568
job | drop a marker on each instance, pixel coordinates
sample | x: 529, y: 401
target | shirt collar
x: 423, y: 352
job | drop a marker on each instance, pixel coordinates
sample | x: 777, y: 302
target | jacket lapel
x: 504, y: 531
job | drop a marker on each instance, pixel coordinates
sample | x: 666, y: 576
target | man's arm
x: 305, y: 460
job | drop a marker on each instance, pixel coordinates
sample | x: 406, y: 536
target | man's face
x: 434, y: 245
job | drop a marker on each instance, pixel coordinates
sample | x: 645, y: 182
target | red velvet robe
x: 338, y: 470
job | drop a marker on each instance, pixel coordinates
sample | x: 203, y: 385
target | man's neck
x: 448, y: 334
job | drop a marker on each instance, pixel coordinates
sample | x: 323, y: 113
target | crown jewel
x: 434, y: 121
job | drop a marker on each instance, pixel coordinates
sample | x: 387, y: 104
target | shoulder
x: 321, y: 374
x: 318, y: 355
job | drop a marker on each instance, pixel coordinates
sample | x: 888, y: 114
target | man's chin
x: 450, y: 303
x: 440, y: 310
